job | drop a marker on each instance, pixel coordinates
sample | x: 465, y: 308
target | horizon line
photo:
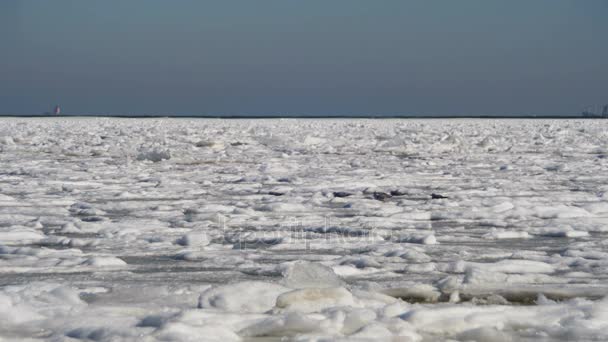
x: 302, y: 116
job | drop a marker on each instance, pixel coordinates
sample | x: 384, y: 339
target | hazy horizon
x: 296, y: 115
x: 281, y: 57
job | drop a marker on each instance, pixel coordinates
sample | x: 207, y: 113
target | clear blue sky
x: 303, y: 56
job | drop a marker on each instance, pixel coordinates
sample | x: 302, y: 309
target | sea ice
x: 305, y: 229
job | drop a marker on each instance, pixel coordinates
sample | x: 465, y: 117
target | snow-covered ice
x: 320, y: 229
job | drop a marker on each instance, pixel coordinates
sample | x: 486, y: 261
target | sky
x: 303, y: 57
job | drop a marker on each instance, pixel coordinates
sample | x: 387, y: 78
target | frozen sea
x: 303, y: 229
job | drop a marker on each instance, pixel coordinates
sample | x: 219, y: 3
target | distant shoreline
x: 306, y: 117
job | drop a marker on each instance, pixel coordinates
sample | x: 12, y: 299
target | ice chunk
x: 104, y: 262
x: 482, y: 277
x: 303, y: 274
x: 7, y: 140
x: 414, y: 293
x: 484, y: 334
x: 355, y: 319
x: 154, y: 155
x: 428, y: 239
x: 506, y: 234
x: 215, y: 145
x: 560, y: 211
x: 502, y: 266
x: 361, y: 262
x: 177, y: 331
x: 282, y: 207
x: 20, y: 236
x: 37, y: 301
x: 69, y: 228
x: 248, y: 296
x: 315, y: 299
x: 194, y: 239
x: 374, y: 332
x: 289, y: 324
x: 190, y: 255
x: 566, y: 232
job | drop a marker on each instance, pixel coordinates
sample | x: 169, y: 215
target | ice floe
x: 245, y: 230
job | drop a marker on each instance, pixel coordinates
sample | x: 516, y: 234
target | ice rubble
x: 179, y: 229
x: 244, y: 297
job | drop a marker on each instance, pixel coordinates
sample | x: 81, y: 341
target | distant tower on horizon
x: 595, y: 112
x: 57, y: 110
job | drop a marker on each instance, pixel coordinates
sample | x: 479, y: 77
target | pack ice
x: 306, y: 230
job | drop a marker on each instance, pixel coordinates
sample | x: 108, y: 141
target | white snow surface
x: 303, y: 229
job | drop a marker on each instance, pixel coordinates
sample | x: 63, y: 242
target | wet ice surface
x: 180, y: 229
